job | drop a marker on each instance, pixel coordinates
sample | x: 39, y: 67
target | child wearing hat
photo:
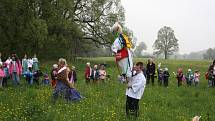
x: 166, y: 77
x: 54, y: 75
x: 189, y: 77
x: 88, y: 71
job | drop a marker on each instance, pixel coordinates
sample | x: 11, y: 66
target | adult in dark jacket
x: 150, y: 71
x: 211, y: 71
x: 95, y: 74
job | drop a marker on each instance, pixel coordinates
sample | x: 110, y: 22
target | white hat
x: 117, y: 28
x: 88, y: 63
x: 159, y: 65
x: 55, y: 66
x: 196, y: 118
x: 189, y: 69
x: 95, y: 66
x: 166, y: 69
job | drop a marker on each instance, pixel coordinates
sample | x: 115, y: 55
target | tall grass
x: 106, y: 101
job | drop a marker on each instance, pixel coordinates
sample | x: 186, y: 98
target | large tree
x: 210, y: 54
x: 166, y: 42
x: 139, y: 49
x: 71, y: 26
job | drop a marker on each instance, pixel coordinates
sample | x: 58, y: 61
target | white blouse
x: 116, y: 45
x: 137, y: 83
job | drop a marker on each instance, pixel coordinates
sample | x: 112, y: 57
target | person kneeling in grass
x: 65, y: 84
x: 134, y: 91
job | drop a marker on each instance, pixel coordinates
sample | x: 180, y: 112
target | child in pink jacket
x: 15, y: 69
x: 1, y: 74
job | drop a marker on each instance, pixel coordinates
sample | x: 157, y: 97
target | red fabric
x: 123, y: 53
x: 87, y: 72
x: 206, y: 75
x: 54, y: 82
x: 18, y: 67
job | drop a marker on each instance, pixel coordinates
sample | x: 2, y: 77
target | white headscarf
x: 117, y: 28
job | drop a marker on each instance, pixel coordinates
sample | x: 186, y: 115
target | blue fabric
x: 29, y: 77
x: 6, y: 71
x: 74, y: 95
x: 25, y: 65
x: 15, y: 78
x: 66, y: 92
x: 46, y: 82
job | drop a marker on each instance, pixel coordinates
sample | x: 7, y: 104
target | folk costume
x: 64, y: 87
x: 121, y: 48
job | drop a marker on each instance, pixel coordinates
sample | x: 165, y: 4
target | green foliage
x: 106, y: 101
x: 166, y: 42
x: 210, y: 54
x: 57, y: 28
x: 139, y: 49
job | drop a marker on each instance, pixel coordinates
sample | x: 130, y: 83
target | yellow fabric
x: 128, y: 43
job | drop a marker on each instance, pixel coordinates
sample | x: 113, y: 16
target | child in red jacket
x: 88, y: 71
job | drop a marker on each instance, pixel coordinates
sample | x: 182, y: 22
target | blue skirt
x: 64, y: 91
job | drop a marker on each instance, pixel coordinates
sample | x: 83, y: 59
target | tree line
x: 209, y: 54
x: 58, y: 28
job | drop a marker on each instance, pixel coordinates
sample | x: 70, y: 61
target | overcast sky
x: 192, y: 20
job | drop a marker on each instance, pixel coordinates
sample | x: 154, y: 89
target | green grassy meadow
x: 106, y: 101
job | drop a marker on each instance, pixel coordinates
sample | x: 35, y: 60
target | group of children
x: 14, y: 69
x: 189, y: 78
x: 31, y: 71
x: 163, y: 76
x: 11, y: 68
x: 95, y: 74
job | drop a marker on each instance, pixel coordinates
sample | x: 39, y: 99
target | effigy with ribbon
x: 121, y: 48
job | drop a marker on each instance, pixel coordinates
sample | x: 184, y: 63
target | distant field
x: 106, y: 101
